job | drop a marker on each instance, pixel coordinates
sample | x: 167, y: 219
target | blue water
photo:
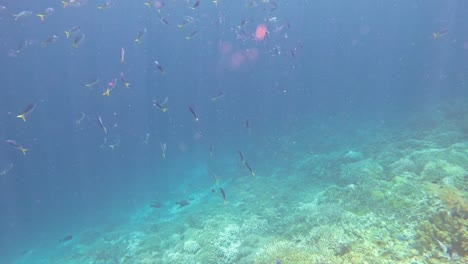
x: 332, y: 65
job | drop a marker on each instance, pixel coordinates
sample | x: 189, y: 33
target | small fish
x: 78, y: 40
x: 141, y: 33
x: 29, y: 109
x: 440, y: 33
x: 215, y: 178
x: 163, y: 149
x: 122, y: 55
x: 22, y: 15
x: 49, y: 41
x: 147, y: 136
x: 187, y: 20
x: 193, y: 113
x: 72, y: 30
x: 223, y: 194
x: 182, y: 203
x: 161, y: 105
x: 218, y: 96
x: 65, y: 239
x: 195, y: 6
x: 241, y: 156
x: 156, y: 205
x: 47, y: 12
x: 73, y: 3
x: 91, y: 84
x: 191, y: 35
x: 110, y: 86
x: 16, y: 146
x: 158, y: 65
x: 102, y: 125
x: 6, y: 170
x: 79, y: 120
x: 122, y: 78
x: 211, y: 148
x: 164, y: 21
x: 107, y: 4
x: 250, y: 169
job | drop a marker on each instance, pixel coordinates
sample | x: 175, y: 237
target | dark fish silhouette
x: 182, y: 203
x: 66, y: 239
x: 156, y: 205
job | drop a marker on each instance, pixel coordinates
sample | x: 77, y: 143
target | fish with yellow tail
x: 26, y: 111
x: 223, y: 194
x: 72, y: 30
x: 124, y: 80
x: 440, y: 33
x: 141, y: 33
x: 17, y: 146
x: 161, y: 105
x: 110, y: 86
x: 246, y: 164
x: 47, y: 12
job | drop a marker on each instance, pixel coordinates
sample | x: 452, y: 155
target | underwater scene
x: 233, y: 131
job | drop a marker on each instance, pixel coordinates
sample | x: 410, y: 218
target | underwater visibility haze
x: 233, y: 132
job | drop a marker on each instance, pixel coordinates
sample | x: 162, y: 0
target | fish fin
x: 22, y: 116
x: 106, y: 93
x: 23, y: 150
x: 147, y: 4
x: 41, y: 16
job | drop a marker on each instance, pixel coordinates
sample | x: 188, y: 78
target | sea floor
x: 371, y: 193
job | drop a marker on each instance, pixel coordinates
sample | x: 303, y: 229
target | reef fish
x: 182, y: 203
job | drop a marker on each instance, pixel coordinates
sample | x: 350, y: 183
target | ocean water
x: 251, y: 132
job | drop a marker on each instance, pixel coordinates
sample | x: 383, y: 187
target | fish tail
x: 225, y: 202
x: 164, y: 155
x: 106, y: 93
x: 41, y: 16
x: 64, y: 4
x: 22, y: 116
x: 253, y: 173
x: 75, y: 46
x: 67, y: 33
x: 23, y: 150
